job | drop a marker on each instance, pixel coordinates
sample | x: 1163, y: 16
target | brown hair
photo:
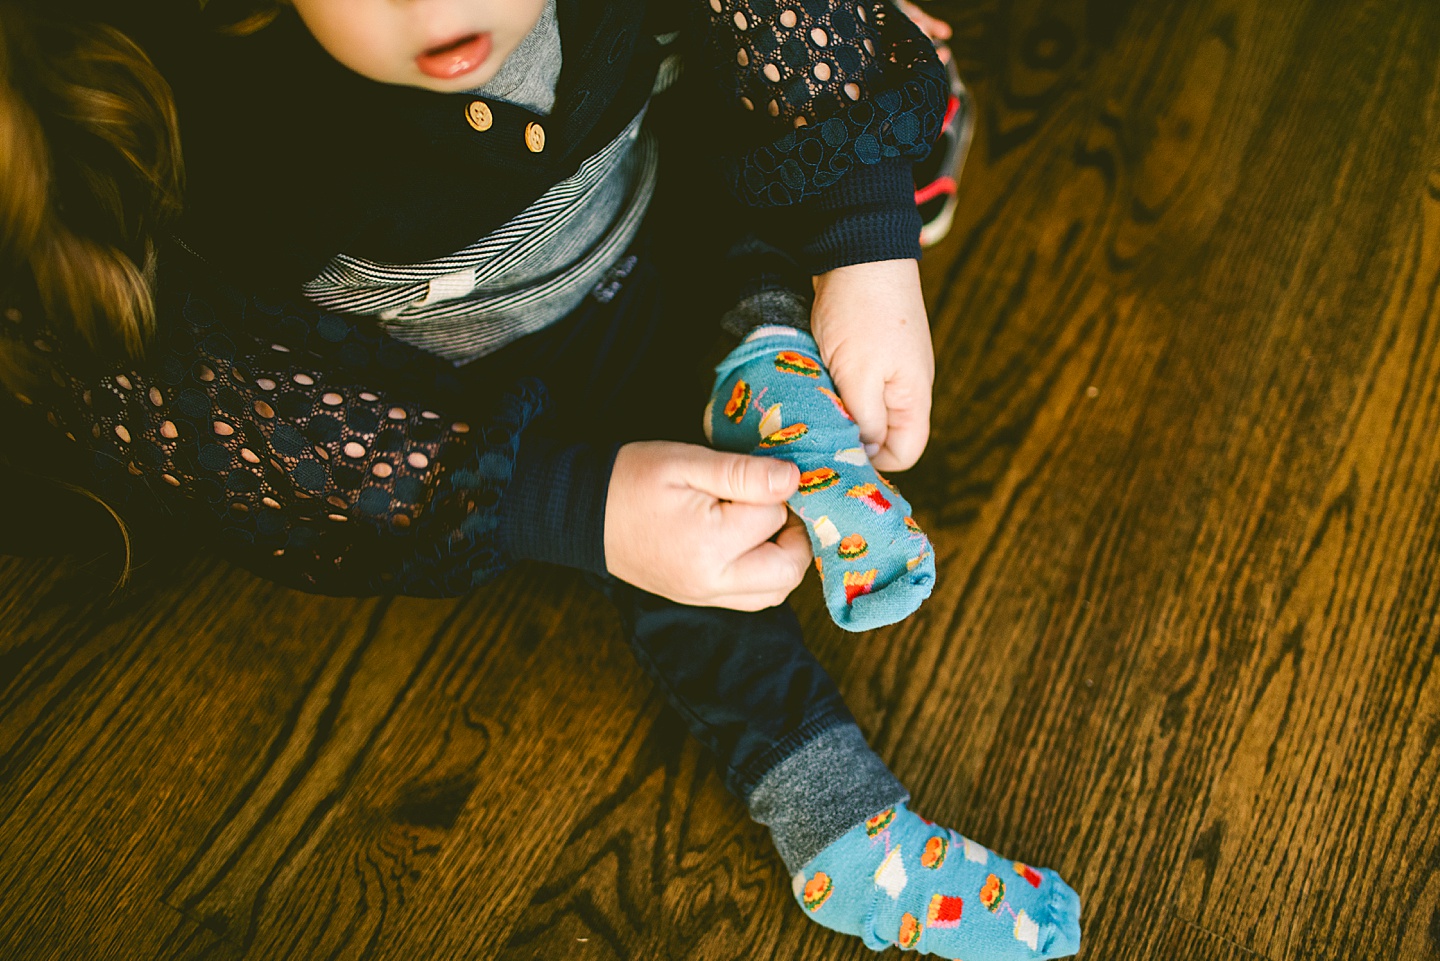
x: 90, y: 170
x: 90, y: 174
x: 241, y: 18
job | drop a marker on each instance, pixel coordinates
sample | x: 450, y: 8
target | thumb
x: 865, y: 400
x: 909, y: 429
x: 742, y: 478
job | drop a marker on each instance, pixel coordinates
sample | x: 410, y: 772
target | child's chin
x: 476, y: 78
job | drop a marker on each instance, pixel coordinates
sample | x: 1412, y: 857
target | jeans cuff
x: 820, y: 791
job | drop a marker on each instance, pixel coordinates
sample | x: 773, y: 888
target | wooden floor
x: 1185, y: 490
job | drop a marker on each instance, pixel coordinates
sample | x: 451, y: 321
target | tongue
x: 456, y: 59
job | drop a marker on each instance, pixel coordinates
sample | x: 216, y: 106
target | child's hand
x: 694, y: 525
x: 933, y: 28
x: 870, y: 324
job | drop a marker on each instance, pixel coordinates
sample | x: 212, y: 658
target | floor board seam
x: 1251, y: 952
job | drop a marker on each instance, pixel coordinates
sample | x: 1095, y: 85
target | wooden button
x: 479, y: 115
x: 534, y: 137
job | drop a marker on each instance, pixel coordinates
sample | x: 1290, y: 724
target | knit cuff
x: 820, y: 791
x: 767, y: 308
x: 867, y: 215
x: 554, y: 509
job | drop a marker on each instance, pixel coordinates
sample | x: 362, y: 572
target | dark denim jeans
x: 744, y: 683
x: 633, y: 367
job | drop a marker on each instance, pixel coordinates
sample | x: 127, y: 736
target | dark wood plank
x: 125, y: 727
x: 1183, y: 490
x: 502, y: 725
x: 134, y: 926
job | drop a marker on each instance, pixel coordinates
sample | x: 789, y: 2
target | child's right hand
x: 694, y: 525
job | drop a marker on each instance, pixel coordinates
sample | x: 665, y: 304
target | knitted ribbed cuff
x: 866, y: 216
x: 554, y: 508
x: 826, y: 787
x: 769, y: 307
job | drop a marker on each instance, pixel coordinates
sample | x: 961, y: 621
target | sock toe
x: 894, y: 602
x: 1063, y: 909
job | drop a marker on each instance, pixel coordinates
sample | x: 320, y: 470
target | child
x: 453, y: 403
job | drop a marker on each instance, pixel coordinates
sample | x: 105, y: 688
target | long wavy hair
x: 90, y: 178
x: 90, y: 169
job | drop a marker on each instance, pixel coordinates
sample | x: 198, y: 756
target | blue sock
x: 774, y: 398
x: 899, y: 879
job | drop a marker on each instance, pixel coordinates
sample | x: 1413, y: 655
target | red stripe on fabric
x: 944, y: 185
x: 951, y: 109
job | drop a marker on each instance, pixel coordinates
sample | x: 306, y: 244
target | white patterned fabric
x: 517, y: 279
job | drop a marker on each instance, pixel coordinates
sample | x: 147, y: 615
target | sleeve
x: 828, y: 104
x: 320, y: 452
x: 554, y: 510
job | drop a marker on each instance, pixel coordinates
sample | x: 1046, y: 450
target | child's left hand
x: 870, y: 323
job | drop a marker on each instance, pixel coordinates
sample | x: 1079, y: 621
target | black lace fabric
x: 840, y: 83
x: 269, y: 421
x: 799, y: 61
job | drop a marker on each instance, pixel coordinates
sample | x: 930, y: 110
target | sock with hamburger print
x: 774, y: 398
x: 899, y: 879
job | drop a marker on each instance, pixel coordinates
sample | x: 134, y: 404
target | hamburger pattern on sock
x: 899, y: 879
x: 774, y: 398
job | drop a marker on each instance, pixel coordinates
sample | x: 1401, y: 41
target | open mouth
x: 456, y: 58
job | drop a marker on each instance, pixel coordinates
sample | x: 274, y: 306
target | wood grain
x: 1183, y: 486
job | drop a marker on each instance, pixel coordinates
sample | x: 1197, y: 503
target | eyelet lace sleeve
x: 827, y: 85
x: 268, y: 422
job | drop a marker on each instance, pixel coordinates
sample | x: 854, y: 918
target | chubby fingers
x: 933, y: 28
x: 767, y: 573
x: 766, y: 556
x: 893, y: 417
x: 864, y: 395
x: 907, y: 407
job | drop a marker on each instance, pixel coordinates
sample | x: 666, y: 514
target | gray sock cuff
x: 810, y: 799
x: 783, y: 307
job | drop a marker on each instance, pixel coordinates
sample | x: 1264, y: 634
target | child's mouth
x: 456, y: 58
